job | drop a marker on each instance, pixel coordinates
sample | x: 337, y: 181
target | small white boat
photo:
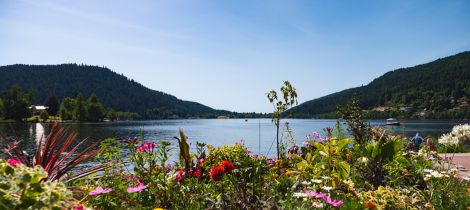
x: 392, y: 121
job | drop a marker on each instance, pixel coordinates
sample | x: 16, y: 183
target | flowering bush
x: 21, y: 188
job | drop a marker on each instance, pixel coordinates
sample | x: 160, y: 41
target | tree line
x: 16, y: 104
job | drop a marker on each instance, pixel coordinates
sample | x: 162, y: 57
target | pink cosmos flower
x: 136, y: 189
x: 334, y: 203
x: 315, y: 194
x: 100, y: 190
x: 13, y: 162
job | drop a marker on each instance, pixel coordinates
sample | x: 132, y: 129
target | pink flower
x: 146, y: 146
x: 315, y: 194
x: 307, y: 136
x: 13, y: 162
x: 136, y: 189
x: 179, y: 176
x: 333, y: 202
x: 100, y: 190
x: 316, y: 135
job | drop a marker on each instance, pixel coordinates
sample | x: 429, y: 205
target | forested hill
x: 113, y: 90
x: 439, y: 89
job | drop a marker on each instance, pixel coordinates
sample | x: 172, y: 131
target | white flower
x: 448, y: 139
x: 325, y: 177
x: 427, y: 177
x: 327, y: 188
x: 436, y: 174
x: 300, y: 195
x: 317, y: 204
x: 427, y: 170
x: 306, y: 183
x: 317, y: 181
x: 363, y: 160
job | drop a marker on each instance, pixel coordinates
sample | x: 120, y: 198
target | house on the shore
x: 35, y: 110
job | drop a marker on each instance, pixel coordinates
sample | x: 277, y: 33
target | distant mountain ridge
x: 114, y: 90
x: 439, y: 89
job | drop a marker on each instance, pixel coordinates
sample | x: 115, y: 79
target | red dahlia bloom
x: 216, y: 173
x: 227, y: 165
x: 197, y: 172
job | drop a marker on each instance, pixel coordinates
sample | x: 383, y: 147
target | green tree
x: 111, y: 114
x: 67, y: 108
x: 289, y: 99
x: 16, y: 103
x: 353, y: 115
x: 1, y: 108
x: 80, y: 111
x: 44, y: 115
x: 53, y: 105
x: 95, y: 109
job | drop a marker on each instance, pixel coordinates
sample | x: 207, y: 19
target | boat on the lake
x: 392, y: 121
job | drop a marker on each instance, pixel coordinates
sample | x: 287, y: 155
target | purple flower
x: 240, y: 142
x: 100, y: 190
x: 136, y: 189
x: 307, y: 144
x: 307, y: 136
x: 316, y: 135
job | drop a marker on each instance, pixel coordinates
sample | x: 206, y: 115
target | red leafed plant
x: 49, y: 154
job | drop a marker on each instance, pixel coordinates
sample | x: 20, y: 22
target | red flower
x: 197, y: 172
x: 79, y: 207
x: 216, y: 173
x: 13, y: 162
x: 179, y: 176
x: 227, y: 165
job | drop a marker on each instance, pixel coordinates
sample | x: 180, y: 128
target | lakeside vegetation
x: 372, y: 169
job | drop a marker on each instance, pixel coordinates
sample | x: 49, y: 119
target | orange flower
x: 349, y: 155
x: 370, y: 205
x: 277, y: 161
x: 288, y: 173
x: 276, y: 175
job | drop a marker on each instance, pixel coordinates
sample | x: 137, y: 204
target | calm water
x: 259, y: 134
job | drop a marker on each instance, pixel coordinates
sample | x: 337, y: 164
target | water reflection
x: 258, y: 134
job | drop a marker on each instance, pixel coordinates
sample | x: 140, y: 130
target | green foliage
x: 1, y: 109
x: 44, y: 116
x: 185, y: 157
x: 440, y: 87
x: 80, y: 111
x: 52, y: 105
x: 289, y: 99
x: 16, y: 103
x: 352, y: 113
x: 448, y: 193
x: 95, y: 110
x: 394, y: 198
x: 22, y: 187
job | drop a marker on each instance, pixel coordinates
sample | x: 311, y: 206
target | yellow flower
x: 158, y: 209
x: 288, y: 173
x: 275, y: 168
x: 276, y: 175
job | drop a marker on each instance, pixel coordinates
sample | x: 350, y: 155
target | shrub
x: 21, y: 188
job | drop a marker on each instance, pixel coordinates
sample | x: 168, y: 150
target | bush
x: 21, y: 188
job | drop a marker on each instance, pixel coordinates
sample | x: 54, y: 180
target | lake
x: 258, y: 134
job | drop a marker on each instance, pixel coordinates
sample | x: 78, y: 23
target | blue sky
x: 228, y: 54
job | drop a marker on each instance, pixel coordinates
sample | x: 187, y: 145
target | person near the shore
x: 417, y: 140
